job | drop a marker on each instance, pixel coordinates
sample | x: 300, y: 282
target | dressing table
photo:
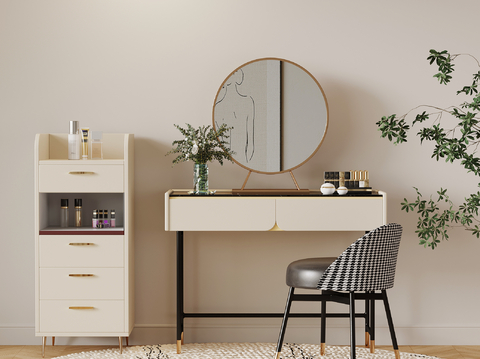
x: 279, y: 117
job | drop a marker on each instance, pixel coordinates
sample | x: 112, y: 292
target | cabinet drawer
x: 80, y: 178
x: 82, y: 283
x: 330, y: 213
x: 220, y: 214
x: 82, y: 316
x: 81, y: 251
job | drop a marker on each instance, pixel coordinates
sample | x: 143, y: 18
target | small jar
x: 95, y: 219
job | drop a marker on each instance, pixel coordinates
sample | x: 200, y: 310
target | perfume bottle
x: 85, y: 134
x: 64, y: 212
x: 78, y: 212
x: 97, y: 150
x: 112, y: 218
x: 74, y: 148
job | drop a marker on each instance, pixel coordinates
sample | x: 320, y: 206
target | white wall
x: 141, y: 66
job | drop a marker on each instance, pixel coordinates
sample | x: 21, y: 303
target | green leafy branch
x: 456, y: 143
x: 202, y: 145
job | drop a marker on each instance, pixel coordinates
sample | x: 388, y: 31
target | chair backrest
x: 368, y: 264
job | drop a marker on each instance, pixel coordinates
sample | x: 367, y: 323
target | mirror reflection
x: 278, y: 112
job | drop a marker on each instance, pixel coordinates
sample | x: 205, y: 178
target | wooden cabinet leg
x: 126, y: 340
x: 44, y: 342
x: 120, y: 342
x: 53, y: 341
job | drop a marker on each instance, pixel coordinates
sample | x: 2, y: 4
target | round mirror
x: 278, y: 113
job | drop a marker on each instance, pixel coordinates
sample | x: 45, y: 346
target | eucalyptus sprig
x: 456, y: 142
x: 202, y: 145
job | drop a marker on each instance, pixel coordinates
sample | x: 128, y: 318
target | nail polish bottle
x: 100, y: 218
x: 95, y: 219
x: 106, y: 223
x: 64, y: 213
x: 112, y: 218
x: 78, y: 212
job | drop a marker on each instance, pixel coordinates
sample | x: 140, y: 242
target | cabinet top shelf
x: 54, y: 147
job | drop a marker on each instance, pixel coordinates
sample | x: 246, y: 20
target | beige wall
x: 141, y: 66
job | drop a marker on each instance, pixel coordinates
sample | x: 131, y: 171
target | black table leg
x: 180, y: 309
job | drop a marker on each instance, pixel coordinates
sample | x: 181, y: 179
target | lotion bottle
x: 64, y: 213
x: 74, y: 148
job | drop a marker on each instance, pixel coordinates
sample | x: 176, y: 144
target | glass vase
x: 200, y: 179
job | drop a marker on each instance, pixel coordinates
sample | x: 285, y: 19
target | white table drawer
x: 80, y: 178
x: 211, y: 213
x: 330, y: 213
x: 82, y: 283
x: 82, y: 316
x: 81, y: 251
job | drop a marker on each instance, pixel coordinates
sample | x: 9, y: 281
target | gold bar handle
x: 81, y: 173
x: 82, y: 308
x: 81, y: 244
x: 81, y: 275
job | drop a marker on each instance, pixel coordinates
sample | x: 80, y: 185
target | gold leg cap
x: 322, y: 349
x: 179, y: 347
x: 277, y: 355
x: 372, y: 346
x: 397, y: 354
x: 367, y: 340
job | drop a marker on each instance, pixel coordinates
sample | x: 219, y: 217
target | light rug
x: 236, y: 350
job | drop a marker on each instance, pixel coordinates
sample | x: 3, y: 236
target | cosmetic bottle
x: 78, y: 212
x: 361, y: 179
x: 100, y: 218
x: 112, y: 218
x: 85, y: 134
x: 64, y: 213
x: 95, y: 219
x: 367, y: 179
x: 106, y: 223
x: 74, y: 148
x: 97, y: 150
x: 347, y: 180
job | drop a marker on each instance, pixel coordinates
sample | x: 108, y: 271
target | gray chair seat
x: 306, y: 273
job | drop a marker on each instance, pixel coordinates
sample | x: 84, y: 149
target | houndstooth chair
x: 366, y: 267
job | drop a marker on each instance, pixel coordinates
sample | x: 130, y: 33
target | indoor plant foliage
x: 456, y: 134
x: 202, y: 145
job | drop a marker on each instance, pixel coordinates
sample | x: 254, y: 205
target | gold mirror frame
x: 216, y: 100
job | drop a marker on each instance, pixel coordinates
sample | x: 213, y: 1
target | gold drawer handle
x: 81, y: 275
x: 81, y: 308
x: 81, y: 173
x: 81, y: 244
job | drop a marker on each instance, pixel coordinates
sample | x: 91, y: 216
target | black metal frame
x: 345, y: 298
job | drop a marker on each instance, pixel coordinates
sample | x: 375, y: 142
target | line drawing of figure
x: 238, y: 111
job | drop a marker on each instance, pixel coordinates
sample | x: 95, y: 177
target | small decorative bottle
x: 112, y: 218
x: 64, y: 213
x: 78, y: 212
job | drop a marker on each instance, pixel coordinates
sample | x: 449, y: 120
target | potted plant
x: 202, y: 145
x: 453, y: 142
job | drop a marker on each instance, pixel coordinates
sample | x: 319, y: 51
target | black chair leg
x: 352, y: 325
x: 367, y: 321
x: 390, y: 324
x: 283, y: 328
x: 323, y: 327
x: 372, y: 325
